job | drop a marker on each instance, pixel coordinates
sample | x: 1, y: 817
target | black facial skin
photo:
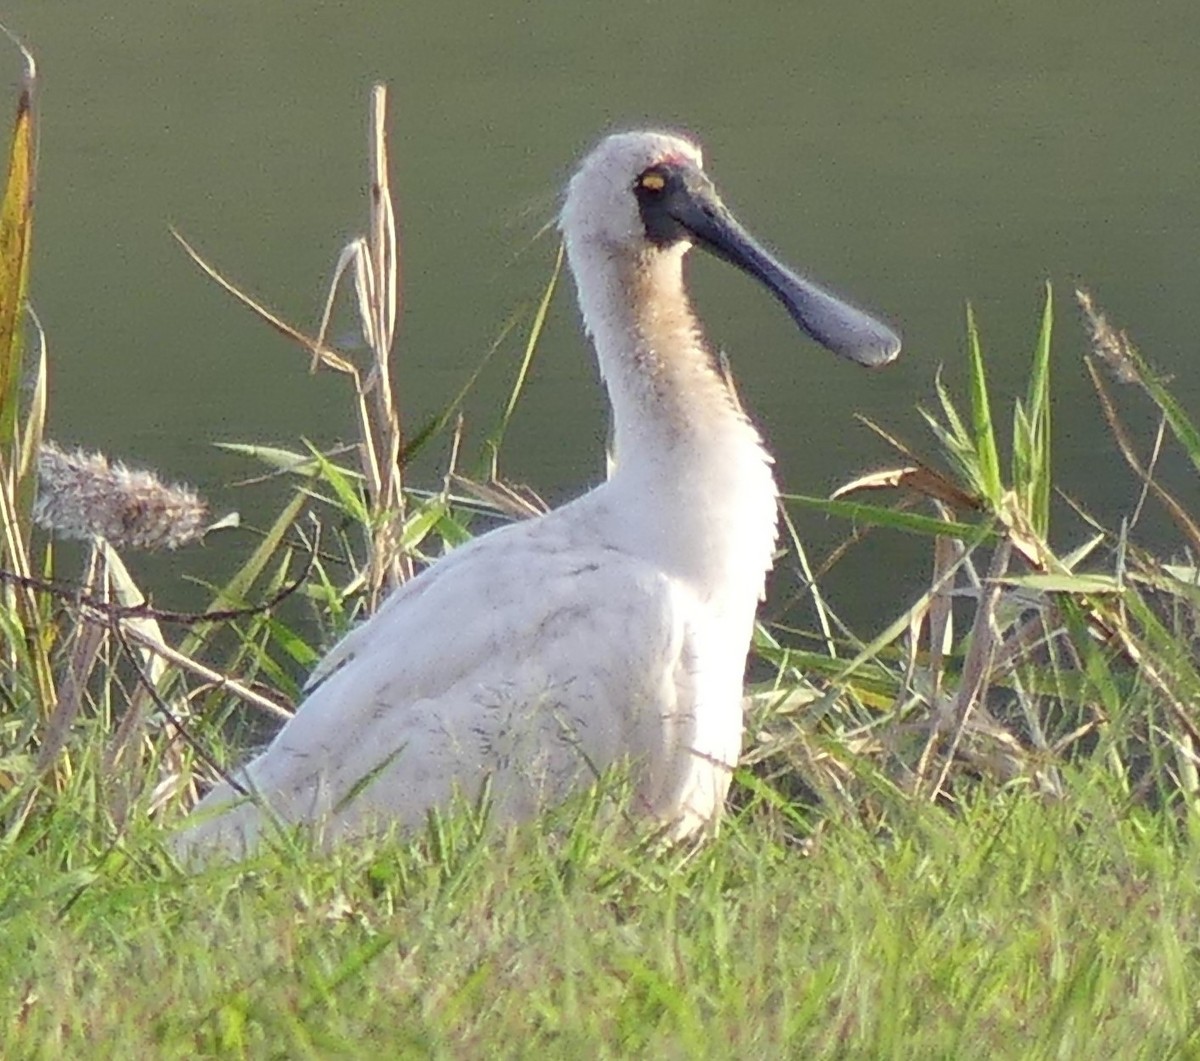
x: 678, y: 202
x: 659, y: 204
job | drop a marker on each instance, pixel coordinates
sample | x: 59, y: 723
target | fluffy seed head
x: 1112, y: 345
x: 85, y: 495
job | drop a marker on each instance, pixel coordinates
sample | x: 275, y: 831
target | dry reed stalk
x: 377, y: 281
x: 88, y: 643
x: 375, y: 262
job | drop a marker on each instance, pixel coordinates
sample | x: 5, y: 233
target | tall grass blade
x: 17, y: 460
x: 984, y: 434
x: 909, y: 522
x: 32, y: 430
x: 1031, y: 431
x: 16, y: 231
x: 236, y: 591
x: 1185, y: 431
x: 1125, y: 361
x: 531, y: 345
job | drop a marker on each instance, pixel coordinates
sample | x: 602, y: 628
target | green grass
x: 1014, y: 927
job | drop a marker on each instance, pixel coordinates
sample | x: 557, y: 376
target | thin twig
x: 121, y: 612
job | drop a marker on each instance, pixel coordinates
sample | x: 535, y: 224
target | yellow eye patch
x: 652, y: 182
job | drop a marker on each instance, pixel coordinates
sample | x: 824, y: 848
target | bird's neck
x: 686, y: 456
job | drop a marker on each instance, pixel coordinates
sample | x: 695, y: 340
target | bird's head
x: 645, y: 193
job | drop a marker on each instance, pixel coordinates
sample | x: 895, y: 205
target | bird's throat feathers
x: 680, y: 436
x: 670, y: 400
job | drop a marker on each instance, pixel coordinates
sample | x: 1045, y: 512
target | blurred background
x: 911, y: 156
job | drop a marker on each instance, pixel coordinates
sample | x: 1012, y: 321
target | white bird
x: 614, y: 629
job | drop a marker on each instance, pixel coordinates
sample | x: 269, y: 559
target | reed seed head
x: 1112, y: 345
x: 85, y: 495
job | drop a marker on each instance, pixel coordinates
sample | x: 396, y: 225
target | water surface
x: 913, y: 156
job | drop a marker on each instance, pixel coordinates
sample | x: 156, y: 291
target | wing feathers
x: 532, y: 673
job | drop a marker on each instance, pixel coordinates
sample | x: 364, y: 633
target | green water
x: 911, y: 155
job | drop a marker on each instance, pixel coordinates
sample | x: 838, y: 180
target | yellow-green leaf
x: 16, y: 226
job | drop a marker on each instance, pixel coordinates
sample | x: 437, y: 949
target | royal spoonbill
x: 614, y: 629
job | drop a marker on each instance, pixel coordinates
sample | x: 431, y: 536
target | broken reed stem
x: 375, y: 257
x: 384, y: 252
x: 379, y: 280
x: 218, y: 680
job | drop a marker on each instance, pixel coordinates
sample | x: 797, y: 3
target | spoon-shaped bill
x: 836, y: 325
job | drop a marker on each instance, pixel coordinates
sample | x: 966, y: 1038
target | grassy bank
x: 971, y: 833
x: 1015, y: 928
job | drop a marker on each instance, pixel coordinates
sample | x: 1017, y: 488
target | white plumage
x: 613, y: 629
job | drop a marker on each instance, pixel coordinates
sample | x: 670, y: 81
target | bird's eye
x: 652, y: 180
